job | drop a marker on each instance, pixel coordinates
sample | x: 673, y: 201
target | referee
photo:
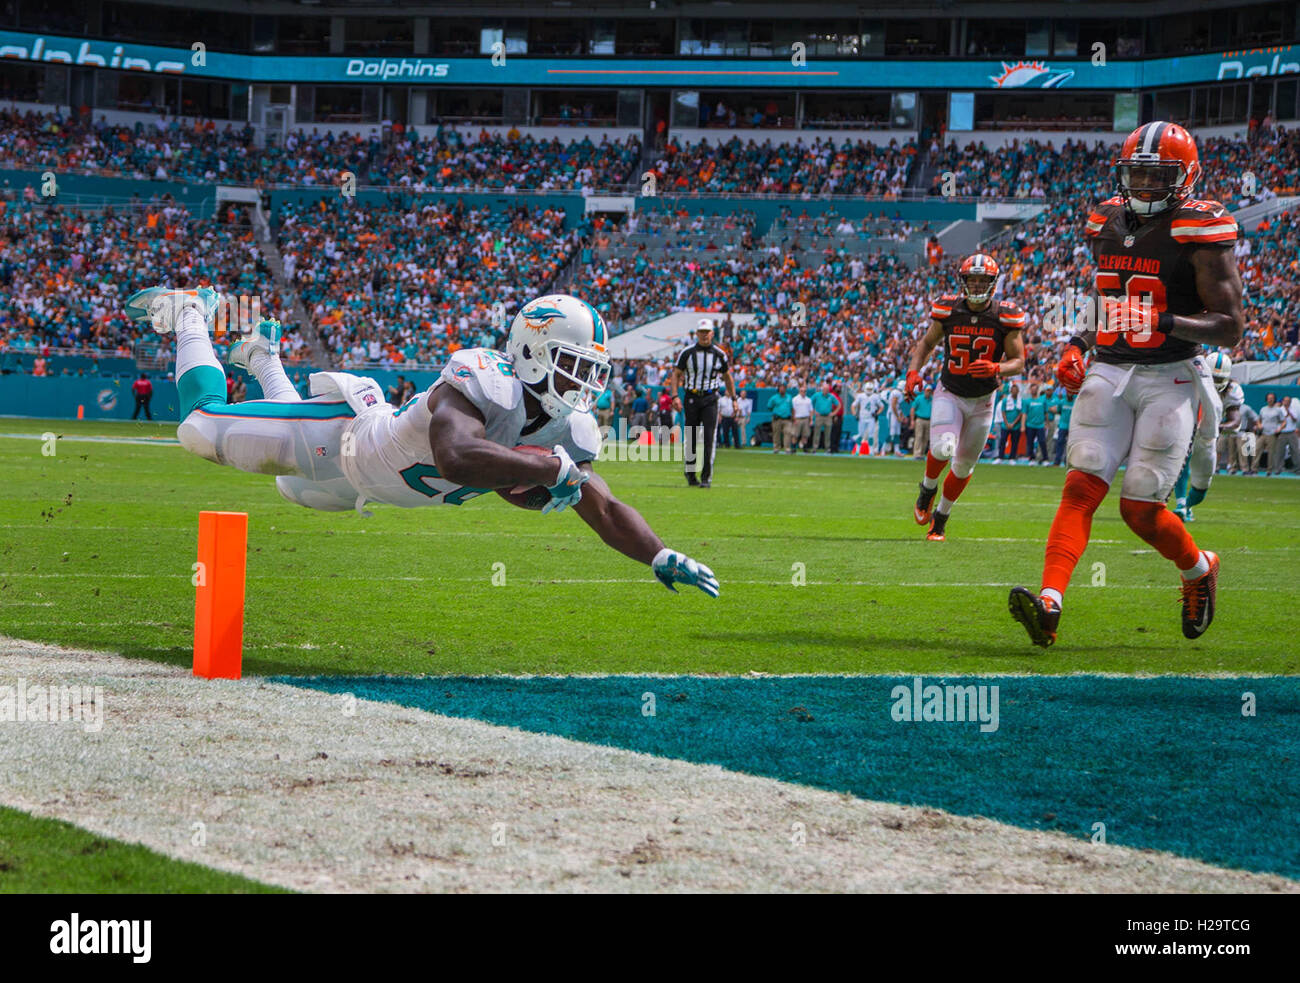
x: 700, y: 372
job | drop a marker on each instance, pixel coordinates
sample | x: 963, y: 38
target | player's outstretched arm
x: 463, y: 453
x: 621, y: 527
x: 1219, y: 287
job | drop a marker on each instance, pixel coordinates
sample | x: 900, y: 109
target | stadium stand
x: 412, y: 280
x: 407, y: 281
x: 202, y: 151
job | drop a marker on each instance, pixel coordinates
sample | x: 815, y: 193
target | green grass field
x: 40, y: 855
x: 101, y: 538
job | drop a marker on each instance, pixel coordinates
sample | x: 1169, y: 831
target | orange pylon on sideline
x: 81, y: 411
x: 219, y: 595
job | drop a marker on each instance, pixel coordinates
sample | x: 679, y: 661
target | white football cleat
x: 161, y: 306
x: 264, y: 337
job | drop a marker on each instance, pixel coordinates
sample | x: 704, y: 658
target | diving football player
x: 347, y: 446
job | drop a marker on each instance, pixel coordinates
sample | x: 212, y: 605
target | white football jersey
x: 393, y: 462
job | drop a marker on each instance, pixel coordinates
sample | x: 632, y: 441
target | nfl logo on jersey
x: 370, y: 399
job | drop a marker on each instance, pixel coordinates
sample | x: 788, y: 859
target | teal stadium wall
x: 767, y: 210
x: 86, y: 189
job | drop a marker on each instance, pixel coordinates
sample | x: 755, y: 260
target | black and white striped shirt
x: 702, y: 368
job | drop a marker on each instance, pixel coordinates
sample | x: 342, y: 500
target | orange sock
x: 1162, y: 530
x: 1082, y: 494
x: 952, y: 486
x: 933, y: 466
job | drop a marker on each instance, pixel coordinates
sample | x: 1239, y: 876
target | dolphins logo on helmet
x: 1220, y: 370
x: 558, y: 346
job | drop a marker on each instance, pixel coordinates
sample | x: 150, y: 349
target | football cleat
x: 924, y: 505
x: 1198, y: 599
x: 161, y: 306
x: 1039, y: 615
x: 266, y: 337
x: 937, y: 524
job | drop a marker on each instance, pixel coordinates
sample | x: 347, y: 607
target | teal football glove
x: 1195, y: 496
x: 568, y: 489
x: 672, y: 567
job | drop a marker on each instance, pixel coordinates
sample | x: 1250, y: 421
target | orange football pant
x: 952, y: 486
x: 933, y: 466
x: 1163, y: 530
x: 1068, y: 538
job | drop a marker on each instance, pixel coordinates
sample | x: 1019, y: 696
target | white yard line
x: 284, y: 785
x: 94, y: 439
x: 608, y: 580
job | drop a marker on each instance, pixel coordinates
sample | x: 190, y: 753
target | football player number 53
x: 964, y: 349
x: 1109, y: 284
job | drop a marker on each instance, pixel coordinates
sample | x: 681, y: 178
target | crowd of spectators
x: 435, y: 157
x: 412, y: 280
x: 417, y: 279
x: 1234, y: 171
x: 65, y: 273
x: 821, y: 167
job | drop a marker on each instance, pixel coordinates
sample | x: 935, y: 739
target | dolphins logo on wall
x: 106, y: 399
x: 1030, y: 73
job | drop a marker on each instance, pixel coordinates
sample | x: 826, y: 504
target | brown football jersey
x: 1152, y: 259
x: 970, y: 335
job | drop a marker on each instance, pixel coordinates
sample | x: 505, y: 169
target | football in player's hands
x: 533, y: 498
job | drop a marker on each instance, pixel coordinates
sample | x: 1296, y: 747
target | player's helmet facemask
x: 557, y: 344
x: 578, y: 376
x: 1157, y: 167
x: 979, y: 276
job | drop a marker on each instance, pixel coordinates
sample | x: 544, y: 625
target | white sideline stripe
x: 293, y: 790
x: 579, y: 533
x: 93, y: 439
x: 614, y: 580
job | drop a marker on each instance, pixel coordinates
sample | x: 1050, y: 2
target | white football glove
x: 568, y: 488
x: 672, y: 567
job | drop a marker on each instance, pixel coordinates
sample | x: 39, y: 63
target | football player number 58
x: 964, y: 349
x: 1109, y: 284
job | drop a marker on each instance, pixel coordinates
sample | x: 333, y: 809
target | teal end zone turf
x: 1167, y: 763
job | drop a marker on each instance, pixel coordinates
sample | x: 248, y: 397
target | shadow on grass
x: 252, y: 665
